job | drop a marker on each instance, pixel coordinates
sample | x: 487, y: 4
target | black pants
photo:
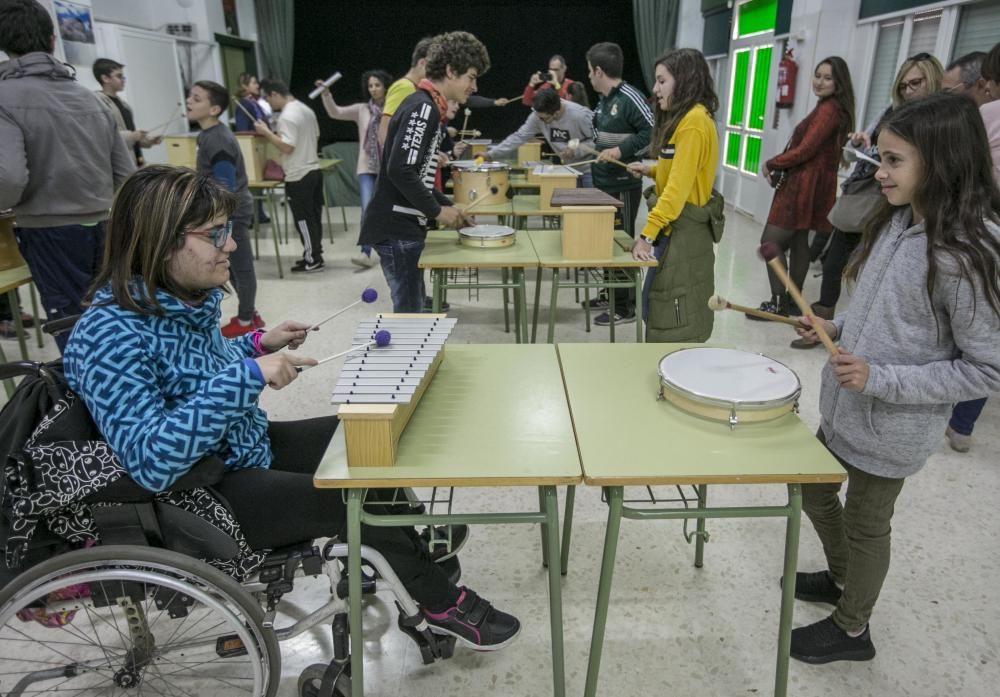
x: 241, y: 270
x: 842, y: 245
x: 280, y: 506
x: 625, y: 220
x: 796, y: 244
x: 305, y: 197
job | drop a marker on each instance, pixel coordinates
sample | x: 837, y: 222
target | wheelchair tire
x: 311, y: 682
x: 108, y: 620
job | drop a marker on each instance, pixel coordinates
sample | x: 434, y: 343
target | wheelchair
x: 141, y: 613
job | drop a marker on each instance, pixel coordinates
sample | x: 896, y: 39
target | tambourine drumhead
x: 487, y: 236
x: 727, y: 384
x: 472, y: 166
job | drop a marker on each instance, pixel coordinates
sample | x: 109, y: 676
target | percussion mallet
x: 326, y: 84
x: 717, y: 303
x: 770, y: 253
x: 465, y: 123
x: 493, y: 190
x: 166, y: 123
x: 244, y: 110
x: 369, y: 295
x: 575, y: 143
x: 382, y: 338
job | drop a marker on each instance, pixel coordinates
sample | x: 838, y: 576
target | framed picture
x: 76, y: 29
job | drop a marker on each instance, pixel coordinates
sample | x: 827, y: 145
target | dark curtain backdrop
x: 520, y: 36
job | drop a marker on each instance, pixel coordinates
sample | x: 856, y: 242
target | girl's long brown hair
x: 843, y: 93
x: 957, y: 196
x: 692, y: 85
x: 149, y: 215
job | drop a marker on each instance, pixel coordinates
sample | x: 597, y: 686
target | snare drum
x: 487, y: 236
x: 728, y: 385
x: 473, y: 182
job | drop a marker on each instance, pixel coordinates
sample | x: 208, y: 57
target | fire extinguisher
x: 787, y: 72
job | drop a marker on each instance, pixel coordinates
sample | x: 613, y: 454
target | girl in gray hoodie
x: 921, y: 333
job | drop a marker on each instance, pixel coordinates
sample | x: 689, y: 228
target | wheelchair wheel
x: 133, y: 620
x: 315, y: 681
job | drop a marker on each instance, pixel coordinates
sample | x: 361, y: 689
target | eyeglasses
x: 913, y: 84
x: 218, y: 235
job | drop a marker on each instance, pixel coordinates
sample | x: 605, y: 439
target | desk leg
x: 275, y: 231
x: 638, y: 305
x: 256, y: 226
x: 550, y: 506
x: 611, y: 309
x: 616, y: 494
x: 437, y: 276
x: 506, y: 310
x: 354, y: 500
x: 538, y: 295
x: 699, y: 535
x: 553, y: 301
x: 38, y: 317
x: 523, y: 290
x: 15, y: 313
x: 519, y: 338
x: 788, y: 588
x: 567, y: 529
x: 544, y: 528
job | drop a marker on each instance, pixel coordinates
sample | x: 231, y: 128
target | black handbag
x: 859, y: 200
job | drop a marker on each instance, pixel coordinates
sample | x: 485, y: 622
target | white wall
x: 690, y: 25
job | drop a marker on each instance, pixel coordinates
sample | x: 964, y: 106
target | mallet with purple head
x: 368, y: 295
x: 382, y: 338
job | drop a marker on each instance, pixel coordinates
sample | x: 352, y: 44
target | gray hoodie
x: 575, y: 122
x: 61, y: 156
x: 892, y: 426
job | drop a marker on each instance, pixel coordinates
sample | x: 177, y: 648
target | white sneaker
x: 959, y: 442
x: 365, y: 261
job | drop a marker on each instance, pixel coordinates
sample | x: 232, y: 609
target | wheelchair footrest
x: 432, y: 646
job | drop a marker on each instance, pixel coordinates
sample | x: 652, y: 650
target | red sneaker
x: 258, y: 321
x: 235, y: 328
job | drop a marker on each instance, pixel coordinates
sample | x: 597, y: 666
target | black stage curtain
x: 520, y: 36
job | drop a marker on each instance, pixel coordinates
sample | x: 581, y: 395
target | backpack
x: 64, y: 488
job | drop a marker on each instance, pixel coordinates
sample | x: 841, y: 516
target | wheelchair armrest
x: 207, y: 471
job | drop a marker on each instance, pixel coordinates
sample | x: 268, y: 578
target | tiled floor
x: 673, y: 629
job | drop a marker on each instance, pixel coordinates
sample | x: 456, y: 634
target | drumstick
x: 769, y: 252
x: 717, y: 303
x: 368, y: 295
x: 244, y: 110
x: 382, y: 338
x: 167, y: 122
x: 465, y: 123
x: 326, y: 84
x: 493, y: 190
x: 583, y: 162
x: 575, y: 143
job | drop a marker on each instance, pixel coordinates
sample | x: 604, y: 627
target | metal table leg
x: 553, y: 300
x: 567, y: 529
x: 551, y: 509
x: 275, y: 232
x: 38, y: 317
x: 354, y: 500
x: 616, y: 495
x: 638, y: 305
x: 788, y: 588
x: 538, y: 293
x: 699, y: 543
x: 522, y: 289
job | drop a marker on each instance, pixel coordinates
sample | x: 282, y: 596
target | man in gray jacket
x: 559, y: 122
x: 61, y: 159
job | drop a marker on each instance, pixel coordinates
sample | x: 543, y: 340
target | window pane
x: 883, y: 71
x: 751, y: 158
x: 755, y: 17
x: 733, y: 149
x: 925, y: 31
x: 978, y: 28
x: 758, y: 98
x: 738, y: 87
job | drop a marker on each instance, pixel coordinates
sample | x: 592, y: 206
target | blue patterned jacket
x: 167, y: 390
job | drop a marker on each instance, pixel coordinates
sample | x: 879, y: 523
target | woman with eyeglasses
x: 805, y: 177
x: 166, y: 389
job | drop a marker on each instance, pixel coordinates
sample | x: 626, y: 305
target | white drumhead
x: 473, y: 166
x: 728, y: 375
x: 487, y: 231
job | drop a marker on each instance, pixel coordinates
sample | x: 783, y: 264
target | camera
x: 546, y: 75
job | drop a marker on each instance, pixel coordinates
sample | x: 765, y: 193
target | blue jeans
x: 965, y: 414
x: 406, y: 281
x: 585, y: 181
x: 659, y: 249
x: 367, y: 184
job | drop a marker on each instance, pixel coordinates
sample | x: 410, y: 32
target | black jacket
x: 405, y: 198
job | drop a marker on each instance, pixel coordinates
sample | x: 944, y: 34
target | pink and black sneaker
x: 476, y: 622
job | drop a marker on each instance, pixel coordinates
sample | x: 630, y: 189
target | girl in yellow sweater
x: 687, y: 218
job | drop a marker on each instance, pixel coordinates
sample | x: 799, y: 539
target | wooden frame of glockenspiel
x: 372, y: 431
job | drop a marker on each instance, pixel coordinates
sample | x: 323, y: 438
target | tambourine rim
x: 716, y: 401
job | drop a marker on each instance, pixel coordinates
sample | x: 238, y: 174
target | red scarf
x: 439, y: 99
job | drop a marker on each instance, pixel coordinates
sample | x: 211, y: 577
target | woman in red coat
x: 808, y: 167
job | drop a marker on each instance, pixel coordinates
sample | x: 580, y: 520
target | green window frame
x: 755, y: 17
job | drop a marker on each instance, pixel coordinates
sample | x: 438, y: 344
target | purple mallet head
x: 769, y: 251
x: 369, y: 295
x: 382, y: 338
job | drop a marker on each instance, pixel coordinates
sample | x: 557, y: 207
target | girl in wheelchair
x: 166, y: 389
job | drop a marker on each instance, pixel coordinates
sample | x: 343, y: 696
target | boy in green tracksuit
x: 623, y: 122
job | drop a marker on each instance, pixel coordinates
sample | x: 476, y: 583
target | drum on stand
x: 475, y: 181
x: 10, y: 256
x: 728, y: 385
x: 487, y: 236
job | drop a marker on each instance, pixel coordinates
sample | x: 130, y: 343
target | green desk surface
x: 519, y: 205
x: 442, y: 251
x: 548, y: 246
x: 19, y: 275
x: 264, y: 184
x: 326, y: 163
x: 628, y: 437
x: 493, y: 415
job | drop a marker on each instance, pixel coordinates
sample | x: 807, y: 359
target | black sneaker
x: 429, y: 305
x: 475, y: 622
x: 306, y: 267
x: 440, y: 550
x: 825, y: 642
x: 598, y: 303
x: 816, y: 587
x: 603, y: 319
x: 772, y: 306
